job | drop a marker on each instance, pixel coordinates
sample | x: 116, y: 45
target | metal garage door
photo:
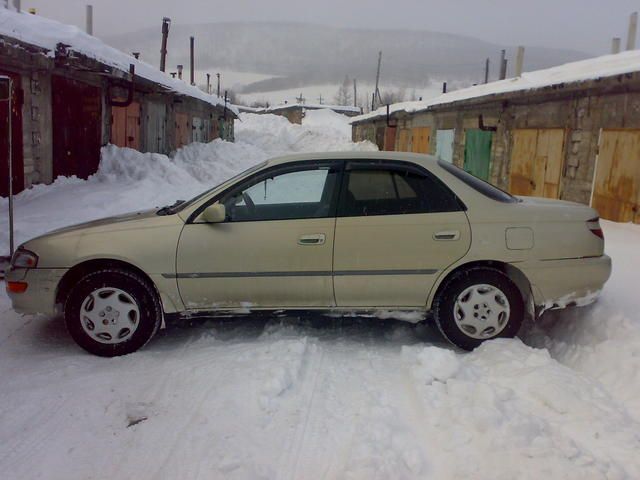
x: 155, y: 131
x: 77, y: 132
x: 477, y: 152
x: 17, y: 163
x: 444, y: 144
x: 536, y: 162
x: 616, y: 187
x: 390, y: 139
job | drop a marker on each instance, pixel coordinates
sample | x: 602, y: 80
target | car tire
x: 112, y: 312
x: 476, y: 305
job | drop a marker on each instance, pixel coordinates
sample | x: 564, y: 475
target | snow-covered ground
x: 319, y: 397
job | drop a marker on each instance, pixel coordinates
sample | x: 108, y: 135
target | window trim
x: 393, y: 165
x: 337, y: 165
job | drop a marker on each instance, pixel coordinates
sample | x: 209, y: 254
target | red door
x: 16, y: 137
x: 77, y: 132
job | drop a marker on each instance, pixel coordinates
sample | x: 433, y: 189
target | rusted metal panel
x: 17, y: 155
x: 536, y: 162
x: 389, y: 139
x: 420, y: 139
x: 616, y: 193
x: 77, y: 132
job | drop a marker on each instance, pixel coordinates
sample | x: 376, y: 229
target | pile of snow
x: 590, y: 69
x: 129, y: 180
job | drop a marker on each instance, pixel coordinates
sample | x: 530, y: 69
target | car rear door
x: 274, y: 250
x: 397, y: 227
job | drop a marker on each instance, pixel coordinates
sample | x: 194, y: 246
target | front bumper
x: 562, y: 283
x: 40, y: 295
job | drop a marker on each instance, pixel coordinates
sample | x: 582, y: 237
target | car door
x: 275, y: 249
x: 397, y: 227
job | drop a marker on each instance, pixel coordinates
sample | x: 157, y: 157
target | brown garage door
x: 77, y: 114
x: 420, y: 139
x: 616, y: 193
x: 125, y: 126
x: 536, y: 162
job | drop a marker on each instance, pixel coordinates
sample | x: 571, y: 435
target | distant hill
x: 302, y: 54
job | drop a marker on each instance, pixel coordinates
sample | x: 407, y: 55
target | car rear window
x: 479, y: 185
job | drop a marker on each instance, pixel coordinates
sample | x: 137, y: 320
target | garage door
x: 15, y: 115
x: 536, y: 162
x: 125, y: 126
x: 403, y: 140
x: 444, y: 144
x: 477, y: 152
x: 420, y: 139
x: 390, y: 139
x: 616, y: 193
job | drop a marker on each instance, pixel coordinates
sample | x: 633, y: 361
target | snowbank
x: 129, y: 180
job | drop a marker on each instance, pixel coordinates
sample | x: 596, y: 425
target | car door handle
x: 447, y: 235
x: 315, y: 239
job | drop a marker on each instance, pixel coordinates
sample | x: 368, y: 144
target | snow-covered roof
x: 316, y: 106
x: 46, y: 34
x: 583, y: 70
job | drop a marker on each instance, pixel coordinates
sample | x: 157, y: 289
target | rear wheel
x: 477, y: 305
x: 112, y: 312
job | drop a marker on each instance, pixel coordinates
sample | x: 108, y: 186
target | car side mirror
x: 215, y: 213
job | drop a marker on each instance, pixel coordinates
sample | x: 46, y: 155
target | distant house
x: 73, y: 94
x: 570, y: 132
x: 294, y: 112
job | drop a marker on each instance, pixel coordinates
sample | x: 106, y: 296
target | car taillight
x: 594, y: 227
x: 17, y: 287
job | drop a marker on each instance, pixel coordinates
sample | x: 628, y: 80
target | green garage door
x: 477, y: 152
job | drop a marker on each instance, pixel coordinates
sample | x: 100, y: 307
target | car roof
x: 421, y: 159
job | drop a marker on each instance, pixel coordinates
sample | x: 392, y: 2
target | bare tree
x: 343, y: 95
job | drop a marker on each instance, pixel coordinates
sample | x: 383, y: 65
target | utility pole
x: 163, y: 49
x: 632, y: 33
x: 355, y: 93
x: 503, y: 65
x: 89, y: 19
x: 191, y: 60
x: 218, y: 91
x: 486, y: 71
x: 209, y: 83
x: 376, y: 93
x: 615, y: 45
x: 519, y: 61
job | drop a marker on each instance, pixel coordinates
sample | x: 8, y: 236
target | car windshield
x: 479, y: 185
x: 180, y: 205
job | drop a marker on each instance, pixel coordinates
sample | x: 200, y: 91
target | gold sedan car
x: 325, y: 232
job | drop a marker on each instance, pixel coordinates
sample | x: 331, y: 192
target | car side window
x: 306, y: 193
x: 381, y: 191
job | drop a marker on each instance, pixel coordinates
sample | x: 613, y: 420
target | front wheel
x: 477, y: 305
x: 112, y: 312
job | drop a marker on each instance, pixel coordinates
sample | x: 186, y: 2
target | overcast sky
x: 585, y: 25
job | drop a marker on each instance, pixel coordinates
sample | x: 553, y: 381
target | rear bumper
x: 40, y: 295
x: 563, y: 283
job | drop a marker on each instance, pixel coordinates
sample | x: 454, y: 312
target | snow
x: 315, y: 397
x: 45, y: 33
x: 314, y: 106
x: 590, y: 69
